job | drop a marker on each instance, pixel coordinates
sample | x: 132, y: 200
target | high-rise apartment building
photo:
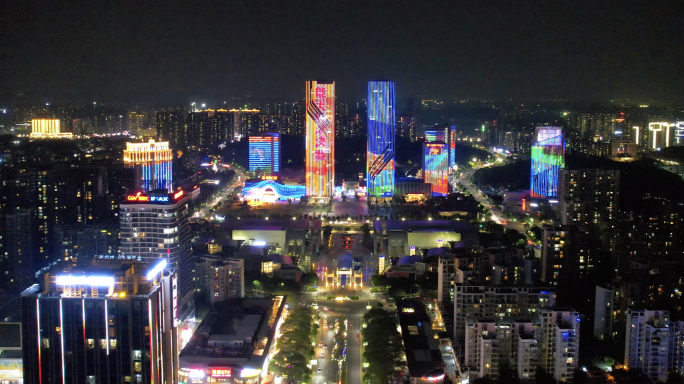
x: 559, y: 343
x: 589, y: 196
x: 152, y: 162
x: 155, y: 225
x: 381, y: 143
x: 220, y: 278
x: 264, y: 153
x: 649, y: 342
x: 481, y: 301
x: 406, y: 127
x: 136, y: 122
x: 320, y: 138
x: 548, y: 158
x: 171, y: 126
x: 555, y: 242
x: 548, y: 339
x: 109, y: 322
x: 245, y: 122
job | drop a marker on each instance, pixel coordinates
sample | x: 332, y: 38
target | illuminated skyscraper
x: 435, y: 167
x: 110, y: 322
x: 320, y: 138
x: 381, y: 127
x: 548, y: 158
x: 264, y: 153
x: 152, y: 162
x: 444, y: 134
x: 48, y: 129
x: 155, y: 225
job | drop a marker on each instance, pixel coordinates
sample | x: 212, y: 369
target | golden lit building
x: 153, y: 164
x: 48, y: 129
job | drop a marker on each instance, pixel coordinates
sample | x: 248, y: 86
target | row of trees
x: 295, y: 348
x: 383, y: 346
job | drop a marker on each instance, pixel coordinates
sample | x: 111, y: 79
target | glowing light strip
x: 94, y: 281
x: 637, y: 133
x: 40, y: 362
x: 84, y: 321
x: 156, y: 270
x: 149, y: 316
x: 61, y: 336
x: 107, y: 325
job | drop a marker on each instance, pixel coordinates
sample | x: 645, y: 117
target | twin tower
x: 320, y: 138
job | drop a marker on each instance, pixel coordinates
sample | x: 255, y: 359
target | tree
x: 366, y: 241
x: 384, y: 349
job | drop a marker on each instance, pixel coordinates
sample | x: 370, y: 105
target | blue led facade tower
x: 381, y: 130
x: 548, y: 158
x: 264, y: 153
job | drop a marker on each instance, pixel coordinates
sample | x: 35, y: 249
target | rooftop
x: 238, y: 331
x: 422, y: 349
x: 110, y: 278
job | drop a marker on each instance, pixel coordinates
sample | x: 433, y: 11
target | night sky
x: 168, y: 50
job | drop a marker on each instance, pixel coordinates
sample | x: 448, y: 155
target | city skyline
x: 101, y: 52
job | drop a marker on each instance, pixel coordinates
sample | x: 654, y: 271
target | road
x: 350, y: 310
x: 497, y: 215
x: 220, y: 196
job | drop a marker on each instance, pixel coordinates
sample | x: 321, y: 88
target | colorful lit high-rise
x: 320, y: 138
x: 153, y: 165
x: 381, y: 127
x: 264, y: 153
x: 548, y: 158
x: 436, y: 167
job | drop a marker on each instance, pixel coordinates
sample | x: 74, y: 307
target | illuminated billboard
x: 270, y: 191
x: 548, y: 158
x: 320, y: 138
x: 264, y: 153
x: 380, y: 149
x: 435, y: 167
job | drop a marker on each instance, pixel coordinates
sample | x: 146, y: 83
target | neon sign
x: 178, y: 194
x: 221, y: 372
x: 162, y: 199
x: 138, y: 197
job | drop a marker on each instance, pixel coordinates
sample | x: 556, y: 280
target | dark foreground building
x: 105, y: 323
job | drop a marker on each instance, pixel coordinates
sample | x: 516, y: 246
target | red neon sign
x: 221, y: 372
x: 178, y: 194
x: 321, y: 145
x: 138, y: 197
